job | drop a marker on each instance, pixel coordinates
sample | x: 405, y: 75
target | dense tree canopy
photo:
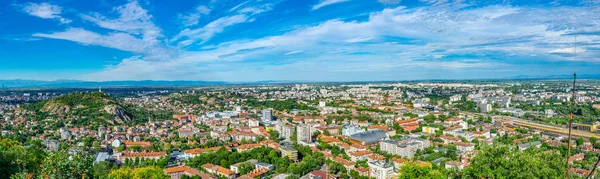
x: 505, y: 162
x: 138, y: 173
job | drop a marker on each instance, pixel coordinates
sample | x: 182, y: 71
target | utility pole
x: 572, y: 108
x: 570, y: 125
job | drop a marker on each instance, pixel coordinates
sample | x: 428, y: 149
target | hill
x: 84, y: 108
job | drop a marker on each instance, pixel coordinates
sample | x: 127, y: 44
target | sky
x: 297, y: 40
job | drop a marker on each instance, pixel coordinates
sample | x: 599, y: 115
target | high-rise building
x: 485, y: 108
x: 303, y: 134
x: 285, y: 131
x: 322, y: 104
x: 267, y: 115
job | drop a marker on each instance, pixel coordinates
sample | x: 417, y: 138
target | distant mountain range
x: 83, y: 84
x: 18, y: 83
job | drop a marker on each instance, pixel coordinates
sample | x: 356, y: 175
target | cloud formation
x: 438, y: 39
x: 45, y: 11
x: 324, y: 3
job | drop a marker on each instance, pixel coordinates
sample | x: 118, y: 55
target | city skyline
x: 320, y: 40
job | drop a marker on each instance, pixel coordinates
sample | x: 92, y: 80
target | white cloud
x: 358, y: 39
x: 570, y: 50
x: 134, y: 32
x: 193, y: 18
x: 257, y: 9
x: 406, y: 38
x: 208, y: 31
x: 46, y: 11
x: 121, y: 41
x: 324, y: 3
x: 389, y: 1
x: 189, y: 36
x: 238, y: 6
x: 132, y: 19
x: 294, y: 52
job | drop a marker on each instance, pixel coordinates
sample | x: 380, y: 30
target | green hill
x: 84, y: 108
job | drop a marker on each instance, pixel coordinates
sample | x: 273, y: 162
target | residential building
x: 406, y: 146
x: 288, y: 151
x: 218, y: 170
x: 267, y: 115
x: 285, y: 131
x: 430, y: 130
x: 177, y: 172
x: 349, y: 130
x: 485, y: 108
x: 304, y: 134
x: 381, y: 170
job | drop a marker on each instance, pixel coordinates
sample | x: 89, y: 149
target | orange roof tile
x: 398, y: 160
x: 360, y: 153
x: 224, y: 170
x: 381, y: 127
x: 144, y: 154
x: 343, y: 161
x: 143, y: 144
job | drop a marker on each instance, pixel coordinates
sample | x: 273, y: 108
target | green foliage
x: 309, y: 160
x: 140, y: 115
x: 187, y: 99
x: 469, y: 106
x: 274, y: 135
x: 62, y: 165
x: 139, y: 173
x: 280, y: 105
x: 430, y: 118
x: 411, y: 170
x: 87, y: 108
x: 504, y: 162
x: 15, y: 158
x: 246, y: 167
x: 102, y: 169
x: 579, y: 141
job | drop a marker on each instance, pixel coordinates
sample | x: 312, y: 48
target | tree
x: 245, y: 168
x: 151, y: 173
x: 63, y: 165
x: 430, y: 118
x: 122, y: 173
x: 579, y: 141
x: 504, y: 162
x: 412, y: 170
x: 139, y: 173
x: 101, y: 169
x: 274, y: 135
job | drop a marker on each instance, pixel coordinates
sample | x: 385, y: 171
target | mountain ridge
x: 23, y: 83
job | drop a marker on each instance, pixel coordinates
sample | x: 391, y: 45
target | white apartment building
x: 381, y: 170
x: 285, y: 131
x: 406, y: 146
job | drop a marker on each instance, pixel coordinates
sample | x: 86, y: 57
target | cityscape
x: 362, y: 130
x: 299, y: 89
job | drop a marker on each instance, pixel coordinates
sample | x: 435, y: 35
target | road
x: 547, y: 127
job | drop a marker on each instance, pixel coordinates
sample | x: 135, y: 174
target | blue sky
x: 308, y: 40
